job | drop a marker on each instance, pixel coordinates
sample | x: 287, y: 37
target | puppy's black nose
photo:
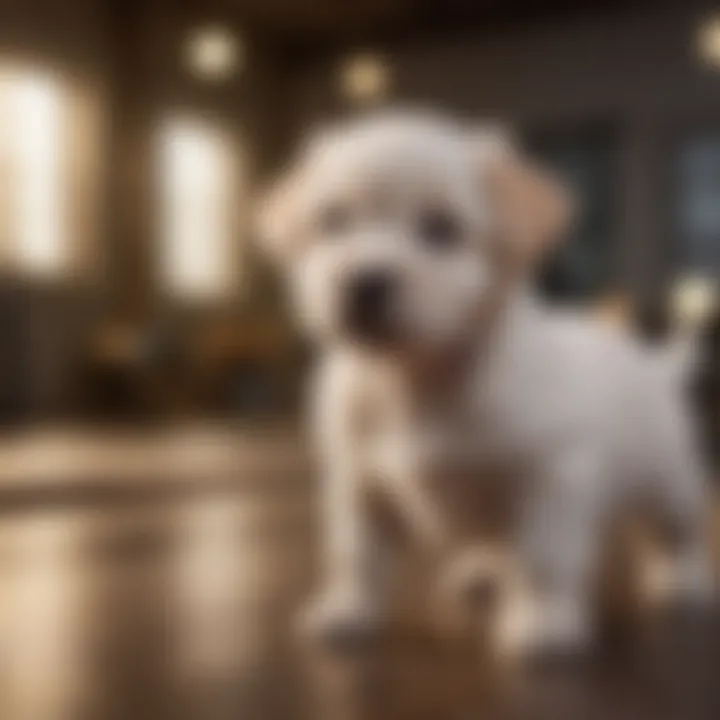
x: 371, y: 291
x: 368, y: 306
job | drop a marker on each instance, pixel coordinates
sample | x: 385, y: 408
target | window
x: 698, y: 198
x: 197, y: 249
x: 33, y: 209
x: 582, y: 267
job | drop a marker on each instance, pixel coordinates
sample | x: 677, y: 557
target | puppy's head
x: 397, y: 232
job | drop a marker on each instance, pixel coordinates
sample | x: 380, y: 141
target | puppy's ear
x: 276, y: 217
x: 530, y: 208
x: 281, y: 208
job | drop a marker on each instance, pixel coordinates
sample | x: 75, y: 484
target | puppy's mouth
x: 370, y: 309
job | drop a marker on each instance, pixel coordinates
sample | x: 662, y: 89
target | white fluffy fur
x: 492, y: 397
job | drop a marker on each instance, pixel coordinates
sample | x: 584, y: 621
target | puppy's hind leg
x: 560, y: 540
x: 684, y: 500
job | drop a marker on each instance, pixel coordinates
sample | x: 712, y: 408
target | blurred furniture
x: 40, y: 330
x: 117, y: 374
x: 192, y: 365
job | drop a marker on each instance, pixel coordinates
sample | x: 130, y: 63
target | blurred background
x: 135, y: 136
x: 150, y: 379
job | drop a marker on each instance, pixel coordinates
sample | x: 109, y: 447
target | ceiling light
x: 365, y: 78
x: 213, y: 53
x: 708, y: 41
x: 694, y: 299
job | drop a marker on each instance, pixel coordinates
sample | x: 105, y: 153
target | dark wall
x: 40, y: 321
x: 67, y: 34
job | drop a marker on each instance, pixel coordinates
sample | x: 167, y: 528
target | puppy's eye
x: 439, y: 229
x: 333, y: 220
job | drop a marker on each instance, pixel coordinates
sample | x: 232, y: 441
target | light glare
x: 196, y: 243
x: 694, y: 299
x: 34, y: 109
x: 708, y: 42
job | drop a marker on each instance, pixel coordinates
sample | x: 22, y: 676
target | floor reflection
x: 179, y: 609
x: 46, y: 669
x: 218, y: 586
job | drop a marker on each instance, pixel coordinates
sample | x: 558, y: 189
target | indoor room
x: 160, y: 504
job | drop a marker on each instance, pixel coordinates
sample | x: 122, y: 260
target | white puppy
x: 408, y: 241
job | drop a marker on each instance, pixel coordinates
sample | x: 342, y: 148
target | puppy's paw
x: 340, y: 621
x: 544, y: 634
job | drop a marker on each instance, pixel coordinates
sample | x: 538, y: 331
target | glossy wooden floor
x: 164, y: 601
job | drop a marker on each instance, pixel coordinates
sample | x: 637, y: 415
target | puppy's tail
x: 692, y: 363
x: 704, y: 386
x: 685, y: 349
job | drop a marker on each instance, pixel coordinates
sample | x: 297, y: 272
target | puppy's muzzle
x: 370, y: 296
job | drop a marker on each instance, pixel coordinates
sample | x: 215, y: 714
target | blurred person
x: 410, y: 242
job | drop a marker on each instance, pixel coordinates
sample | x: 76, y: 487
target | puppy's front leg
x: 351, y: 603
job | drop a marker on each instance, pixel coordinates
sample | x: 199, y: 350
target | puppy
x: 409, y: 241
